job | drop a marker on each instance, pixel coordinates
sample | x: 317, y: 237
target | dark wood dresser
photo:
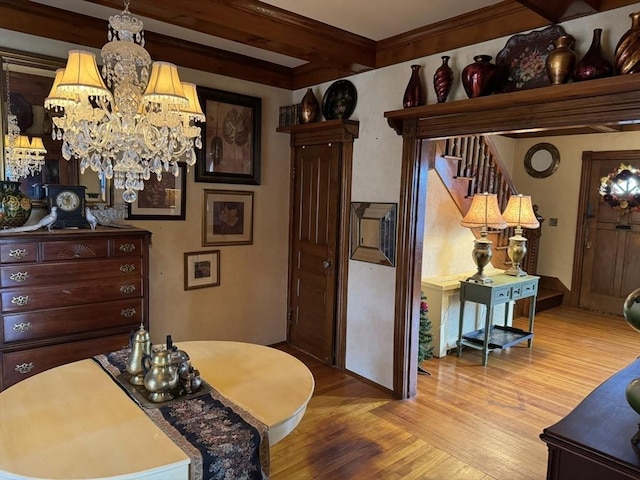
x: 69, y: 294
x: 593, y: 442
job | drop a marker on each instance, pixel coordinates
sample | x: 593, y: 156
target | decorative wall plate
x: 522, y: 61
x: 339, y: 100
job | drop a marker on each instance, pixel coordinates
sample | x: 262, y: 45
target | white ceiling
x: 374, y: 19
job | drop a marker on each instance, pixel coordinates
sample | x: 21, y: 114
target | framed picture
x: 231, y: 138
x: 201, y: 269
x: 227, y: 218
x: 161, y: 200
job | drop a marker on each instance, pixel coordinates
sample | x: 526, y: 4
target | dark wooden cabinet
x: 593, y: 442
x: 69, y: 294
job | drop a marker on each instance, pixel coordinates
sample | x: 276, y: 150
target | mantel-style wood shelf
x: 320, y: 132
x: 596, y: 102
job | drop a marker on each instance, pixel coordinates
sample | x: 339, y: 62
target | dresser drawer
x: 18, y: 252
x: 126, y: 247
x: 71, y: 320
x: 67, y: 294
x: 49, y: 273
x: 72, y: 249
x: 17, y: 366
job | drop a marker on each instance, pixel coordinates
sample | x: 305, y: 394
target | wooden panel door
x: 316, y: 204
x: 611, y: 248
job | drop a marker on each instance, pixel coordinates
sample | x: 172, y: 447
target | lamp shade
x: 519, y: 212
x: 164, y: 85
x: 58, y: 99
x: 193, y: 109
x: 81, y: 76
x: 36, y: 144
x: 484, y: 212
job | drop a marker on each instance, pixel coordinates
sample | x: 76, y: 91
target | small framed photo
x: 231, y: 138
x: 201, y: 269
x: 227, y: 218
x: 161, y: 200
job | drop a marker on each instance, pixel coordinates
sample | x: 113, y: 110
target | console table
x: 593, y: 442
x: 505, y: 288
x: 74, y: 421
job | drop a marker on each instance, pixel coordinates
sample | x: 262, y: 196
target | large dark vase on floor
x: 627, y: 53
x: 594, y: 64
x: 15, y: 206
x: 442, y: 80
x: 561, y: 60
x: 479, y: 78
x: 413, y: 96
x: 309, y: 107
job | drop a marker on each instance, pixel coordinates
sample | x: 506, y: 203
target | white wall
x: 250, y: 303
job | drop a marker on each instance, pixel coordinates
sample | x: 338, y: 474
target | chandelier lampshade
x: 519, y: 214
x: 484, y: 213
x: 139, y: 120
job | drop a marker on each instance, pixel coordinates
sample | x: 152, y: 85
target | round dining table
x: 75, y: 422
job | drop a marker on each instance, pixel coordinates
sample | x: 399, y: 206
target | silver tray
x: 139, y: 393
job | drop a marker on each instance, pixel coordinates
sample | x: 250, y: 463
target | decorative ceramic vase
x: 309, y: 107
x: 561, y: 60
x: 593, y: 64
x: 15, y: 206
x: 413, y: 96
x: 627, y: 53
x: 442, y: 80
x: 479, y: 78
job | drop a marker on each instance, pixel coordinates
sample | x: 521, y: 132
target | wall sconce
x: 484, y: 213
x: 519, y: 213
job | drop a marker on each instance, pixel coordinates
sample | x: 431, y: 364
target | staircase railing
x: 469, y: 165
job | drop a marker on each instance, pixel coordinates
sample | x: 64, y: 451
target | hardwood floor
x: 467, y: 422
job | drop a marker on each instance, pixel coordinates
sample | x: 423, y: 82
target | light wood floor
x: 467, y: 421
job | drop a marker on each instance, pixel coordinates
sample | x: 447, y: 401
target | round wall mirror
x: 542, y: 160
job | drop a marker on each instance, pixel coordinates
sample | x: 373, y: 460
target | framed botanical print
x: 231, y: 138
x: 201, y: 269
x: 163, y: 199
x: 227, y: 218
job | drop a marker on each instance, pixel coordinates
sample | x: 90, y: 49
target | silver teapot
x: 140, y: 344
x: 161, y: 375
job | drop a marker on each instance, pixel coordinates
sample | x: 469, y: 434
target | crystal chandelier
x: 136, y: 124
x: 22, y: 157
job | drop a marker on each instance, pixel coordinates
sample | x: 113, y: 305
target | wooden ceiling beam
x: 41, y: 20
x: 263, y: 26
x: 557, y: 11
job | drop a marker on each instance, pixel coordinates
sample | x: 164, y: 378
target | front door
x: 611, y: 247
x: 312, y: 292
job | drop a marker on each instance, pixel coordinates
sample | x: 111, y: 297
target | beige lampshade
x: 519, y: 212
x: 81, y: 76
x: 23, y: 143
x: 193, y: 109
x: 36, y: 144
x: 164, y: 85
x: 57, y: 98
x: 484, y: 212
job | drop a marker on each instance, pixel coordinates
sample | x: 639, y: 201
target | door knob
x: 326, y: 263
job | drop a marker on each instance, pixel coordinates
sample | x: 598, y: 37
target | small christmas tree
x: 425, y: 337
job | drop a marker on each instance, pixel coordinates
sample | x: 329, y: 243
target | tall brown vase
x: 593, y: 64
x: 561, y: 60
x: 627, y: 53
x: 413, y: 96
x: 479, y: 78
x: 309, y: 107
x: 442, y: 80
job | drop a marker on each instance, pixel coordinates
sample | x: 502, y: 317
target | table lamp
x: 519, y: 213
x: 484, y: 213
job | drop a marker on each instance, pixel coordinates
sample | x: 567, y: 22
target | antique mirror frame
x: 542, y: 160
x: 18, y: 67
x: 373, y: 232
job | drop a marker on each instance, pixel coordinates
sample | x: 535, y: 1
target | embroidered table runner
x: 222, y: 440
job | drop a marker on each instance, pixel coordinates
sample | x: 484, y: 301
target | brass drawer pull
x: 22, y: 327
x: 20, y: 300
x: 127, y: 268
x: 19, y: 277
x: 25, y: 368
x: 127, y: 289
x: 18, y: 253
x: 128, y: 312
x: 127, y: 247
